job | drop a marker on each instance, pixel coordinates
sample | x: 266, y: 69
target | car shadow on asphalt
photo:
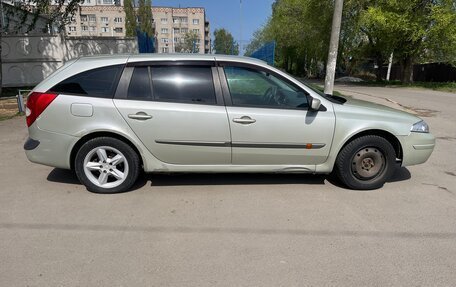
x: 232, y: 179
x: 183, y: 179
x: 63, y: 176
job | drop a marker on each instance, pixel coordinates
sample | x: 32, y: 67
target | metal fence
x: 266, y: 53
x: 145, y: 42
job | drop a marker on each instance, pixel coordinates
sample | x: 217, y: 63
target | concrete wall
x: 27, y: 60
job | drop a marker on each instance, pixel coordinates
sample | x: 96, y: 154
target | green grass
x: 4, y: 117
x: 436, y: 86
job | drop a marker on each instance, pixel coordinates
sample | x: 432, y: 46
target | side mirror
x: 315, y: 104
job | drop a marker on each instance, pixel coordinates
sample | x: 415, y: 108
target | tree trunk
x: 378, y: 71
x: 1, y: 34
x: 1, y: 62
x: 407, y: 70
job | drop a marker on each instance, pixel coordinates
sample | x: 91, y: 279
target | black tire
x: 131, y: 168
x: 365, y: 163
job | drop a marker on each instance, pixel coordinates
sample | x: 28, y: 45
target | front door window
x: 254, y: 88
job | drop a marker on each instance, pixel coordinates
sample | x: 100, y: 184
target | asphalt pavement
x: 235, y: 229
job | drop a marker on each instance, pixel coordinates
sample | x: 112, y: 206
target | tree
x: 57, y: 12
x: 415, y: 30
x: 145, y: 16
x: 224, y: 43
x: 301, y: 34
x: 260, y: 37
x: 190, y: 43
x: 130, y: 19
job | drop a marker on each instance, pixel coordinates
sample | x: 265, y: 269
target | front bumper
x: 417, y: 148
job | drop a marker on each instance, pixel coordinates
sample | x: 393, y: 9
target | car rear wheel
x: 107, y: 165
x: 366, y: 163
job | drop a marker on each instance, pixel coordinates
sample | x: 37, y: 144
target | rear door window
x: 100, y: 82
x: 183, y: 84
x: 139, y: 88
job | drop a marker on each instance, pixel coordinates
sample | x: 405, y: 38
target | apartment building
x: 171, y: 25
x: 98, y: 18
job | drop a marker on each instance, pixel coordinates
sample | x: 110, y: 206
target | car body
x: 211, y: 113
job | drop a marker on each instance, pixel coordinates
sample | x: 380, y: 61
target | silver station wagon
x: 110, y: 117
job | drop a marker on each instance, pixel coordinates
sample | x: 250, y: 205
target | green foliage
x: 57, y: 12
x: 130, y: 18
x: 260, y: 37
x: 415, y: 30
x: 145, y: 16
x: 301, y: 29
x: 224, y: 43
x: 189, y: 44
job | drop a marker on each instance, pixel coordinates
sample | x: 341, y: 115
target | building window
x: 104, y: 19
x: 164, y: 20
x: 107, y: 2
x: 178, y: 20
x: 196, y: 21
x: 118, y: 30
x: 92, y: 18
x: 72, y: 28
x: 165, y: 50
x: 92, y: 28
x: 85, y: 28
x: 184, y: 30
x: 118, y: 20
x: 164, y: 30
x: 83, y: 18
x: 105, y: 29
x: 164, y: 40
x: 176, y: 30
x: 196, y: 31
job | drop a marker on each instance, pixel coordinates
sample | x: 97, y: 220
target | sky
x: 227, y: 14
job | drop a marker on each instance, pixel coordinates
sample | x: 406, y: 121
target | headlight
x: 420, y: 127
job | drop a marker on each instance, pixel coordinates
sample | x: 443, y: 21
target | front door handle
x: 142, y: 116
x: 245, y: 120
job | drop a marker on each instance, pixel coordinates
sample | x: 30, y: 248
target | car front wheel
x: 107, y: 165
x: 366, y: 163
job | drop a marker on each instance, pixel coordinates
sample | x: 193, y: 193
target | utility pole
x: 240, y: 29
x: 333, y: 47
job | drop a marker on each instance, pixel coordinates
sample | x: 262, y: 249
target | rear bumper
x: 48, y: 148
x: 31, y: 144
x: 417, y: 148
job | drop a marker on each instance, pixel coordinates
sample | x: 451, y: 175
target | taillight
x: 36, y: 104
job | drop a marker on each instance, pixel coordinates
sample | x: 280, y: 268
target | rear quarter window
x: 100, y: 82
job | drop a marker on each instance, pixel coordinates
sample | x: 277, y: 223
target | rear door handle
x: 245, y: 120
x: 142, y: 116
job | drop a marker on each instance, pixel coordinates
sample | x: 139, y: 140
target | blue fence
x: 266, y: 53
x: 146, y: 44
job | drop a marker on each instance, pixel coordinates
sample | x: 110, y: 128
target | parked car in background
x: 110, y: 117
